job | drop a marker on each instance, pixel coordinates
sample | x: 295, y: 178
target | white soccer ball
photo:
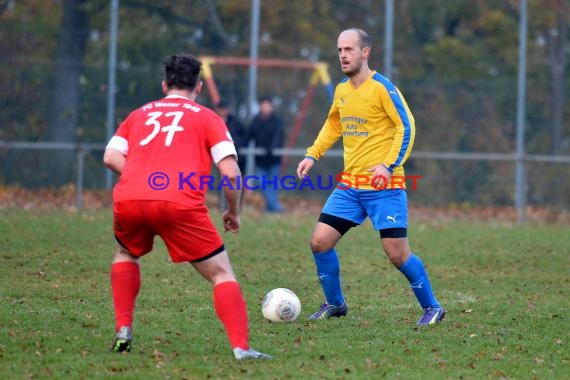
x: 281, y: 305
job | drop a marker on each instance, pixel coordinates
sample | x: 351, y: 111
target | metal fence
x: 481, y: 138
x: 82, y: 150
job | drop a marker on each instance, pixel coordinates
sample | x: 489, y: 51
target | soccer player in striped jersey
x: 377, y: 130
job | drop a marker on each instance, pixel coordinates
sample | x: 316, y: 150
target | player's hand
x: 380, y: 176
x: 231, y: 222
x: 304, y: 167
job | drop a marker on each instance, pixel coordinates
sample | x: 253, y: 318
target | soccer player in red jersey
x: 163, y: 151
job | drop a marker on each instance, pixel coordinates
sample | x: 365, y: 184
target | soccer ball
x: 281, y: 305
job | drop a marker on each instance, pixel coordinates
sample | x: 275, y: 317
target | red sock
x: 125, y: 284
x: 231, y: 309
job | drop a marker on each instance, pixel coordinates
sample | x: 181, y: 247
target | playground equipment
x: 320, y: 75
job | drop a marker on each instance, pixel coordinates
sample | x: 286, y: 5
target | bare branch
x: 163, y: 11
x: 217, y: 23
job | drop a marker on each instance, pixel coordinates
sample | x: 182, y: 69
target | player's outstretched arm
x: 229, y: 170
x: 114, y: 160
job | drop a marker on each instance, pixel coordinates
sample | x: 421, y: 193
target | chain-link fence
x: 456, y: 67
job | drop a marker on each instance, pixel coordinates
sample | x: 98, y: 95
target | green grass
x: 505, y: 288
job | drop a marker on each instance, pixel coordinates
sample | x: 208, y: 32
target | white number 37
x: 170, y: 129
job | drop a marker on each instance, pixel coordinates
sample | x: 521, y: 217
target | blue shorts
x: 385, y: 208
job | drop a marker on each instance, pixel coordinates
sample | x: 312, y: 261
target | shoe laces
x: 324, y: 307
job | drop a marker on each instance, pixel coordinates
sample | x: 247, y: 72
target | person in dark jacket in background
x: 237, y: 130
x: 267, y: 131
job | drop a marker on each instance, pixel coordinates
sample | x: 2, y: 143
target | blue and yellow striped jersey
x: 376, y: 126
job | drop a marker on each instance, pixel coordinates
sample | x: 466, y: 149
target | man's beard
x: 352, y: 71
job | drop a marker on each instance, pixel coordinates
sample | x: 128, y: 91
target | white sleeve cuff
x: 118, y: 143
x: 221, y: 150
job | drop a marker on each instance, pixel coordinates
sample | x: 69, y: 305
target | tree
x: 72, y: 41
x: 64, y: 109
x: 557, y: 46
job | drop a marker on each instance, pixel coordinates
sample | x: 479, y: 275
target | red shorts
x: 188, y: 233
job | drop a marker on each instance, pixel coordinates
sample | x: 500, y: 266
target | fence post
x: 520, y: 177
x: 250, y: 163
x: 81, y: 153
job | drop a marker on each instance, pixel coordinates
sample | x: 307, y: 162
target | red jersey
x: 170, y: 145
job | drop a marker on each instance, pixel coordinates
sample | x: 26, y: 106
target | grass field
x: 506, y: 289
